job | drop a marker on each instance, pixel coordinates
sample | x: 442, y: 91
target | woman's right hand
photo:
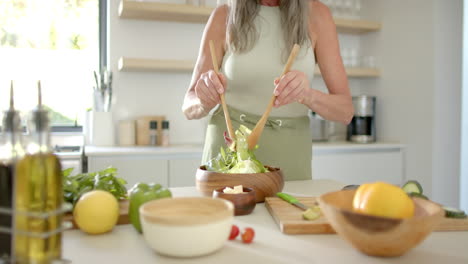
x: 208, y: 88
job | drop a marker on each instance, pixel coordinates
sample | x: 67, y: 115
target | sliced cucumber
x: 312, y: 213
x: 412, y: 187
x: 350, y: 187
x: 419, y: 195
x: 454, y: 213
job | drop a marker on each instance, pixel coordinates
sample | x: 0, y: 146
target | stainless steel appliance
x: 362, y: 127
x: 319, y: 128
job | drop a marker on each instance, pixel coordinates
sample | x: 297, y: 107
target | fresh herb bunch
x: 106, y: 180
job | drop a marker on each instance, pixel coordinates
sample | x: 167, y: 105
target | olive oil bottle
x: 6, y: 197
x: 39, y: 196
x: 10, y: 151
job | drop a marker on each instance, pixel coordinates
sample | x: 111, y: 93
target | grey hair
x: 241, y: 33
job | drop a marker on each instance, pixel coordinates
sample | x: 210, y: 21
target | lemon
x: 96, y: 212
x: 383, y: 199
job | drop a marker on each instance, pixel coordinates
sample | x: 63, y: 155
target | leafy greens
x: 236, y: 158
x: 106, y: 180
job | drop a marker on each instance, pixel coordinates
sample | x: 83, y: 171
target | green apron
x: 285, y: 142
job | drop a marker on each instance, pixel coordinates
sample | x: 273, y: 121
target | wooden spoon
x: 223, y: 101
x: 258, y: 129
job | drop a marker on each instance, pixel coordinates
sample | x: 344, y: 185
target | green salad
x: 236, y: 158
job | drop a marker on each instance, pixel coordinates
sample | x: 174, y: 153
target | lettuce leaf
x: 236, y: 158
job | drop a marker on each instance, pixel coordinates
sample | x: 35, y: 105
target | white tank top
x: 251, y: 74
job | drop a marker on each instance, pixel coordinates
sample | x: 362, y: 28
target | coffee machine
x: 362, y: 127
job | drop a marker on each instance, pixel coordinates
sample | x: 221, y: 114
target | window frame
x: 102, y: 6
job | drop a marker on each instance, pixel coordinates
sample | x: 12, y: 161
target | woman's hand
x: 208, y: 88
x: 292, y: 87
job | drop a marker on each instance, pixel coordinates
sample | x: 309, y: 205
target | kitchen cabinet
x: 133, y: 168
x: 172, y: 173
x: 176, y: 166
x: 182, y: 172
x: 360, y: 167
x: 70, y: 160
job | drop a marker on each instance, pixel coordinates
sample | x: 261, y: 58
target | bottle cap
x: 165, y: 124
x: 153, y: 124
x: 40, y: 116
x: 11, y: 118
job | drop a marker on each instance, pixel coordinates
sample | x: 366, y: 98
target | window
x: 57, y: 42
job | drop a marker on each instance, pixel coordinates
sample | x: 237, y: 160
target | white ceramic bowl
x: 186, y: 227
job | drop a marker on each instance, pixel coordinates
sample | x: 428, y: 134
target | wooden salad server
x: 258, y: 129
x: 223, y: 101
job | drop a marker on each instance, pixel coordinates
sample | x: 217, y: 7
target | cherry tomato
x: 248, y: 235
x: 234, y: 232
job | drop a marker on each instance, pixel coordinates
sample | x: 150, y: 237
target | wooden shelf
x: 132, y: 9
x: 163, y: 11
x: 355, y: 26
x: 153, y: 65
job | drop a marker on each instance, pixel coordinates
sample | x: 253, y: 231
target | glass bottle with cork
x: 39, y: 195
x: 10, y: 151
x: 153, y: 132
x: 165, y: 133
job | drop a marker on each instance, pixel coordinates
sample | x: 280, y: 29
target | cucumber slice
x: 312, y: 213
x: 350, y: 187
x: 412, y: 187
x: 419, y: 195
x: 454, y: 213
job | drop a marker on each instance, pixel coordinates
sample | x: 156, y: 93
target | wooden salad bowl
x: 379, y: 236
x: 244, y: 203
x: 265, y: 184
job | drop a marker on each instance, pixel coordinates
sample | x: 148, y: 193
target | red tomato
x: 248, y: 235
x: 234, y: 232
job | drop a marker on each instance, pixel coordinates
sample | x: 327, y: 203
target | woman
x: 253, y: 39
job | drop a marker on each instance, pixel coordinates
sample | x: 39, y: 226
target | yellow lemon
x: 383, y: 199
x: 96, y: 212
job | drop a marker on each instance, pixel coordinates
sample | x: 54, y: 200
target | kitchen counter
x: 124, y: 245
x: 196, y: 150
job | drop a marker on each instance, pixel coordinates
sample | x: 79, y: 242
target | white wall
x: 419, y: 51
x: 405, y: 49
x: 464, y: 130
x: 139, y: 94
x: 448, y: 17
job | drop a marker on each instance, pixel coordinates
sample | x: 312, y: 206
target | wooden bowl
x: 244, y: 203
x: 265, y: 184
x: 379, y: 236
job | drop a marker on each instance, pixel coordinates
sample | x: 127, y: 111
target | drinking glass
x: 345, y: 55
x: 369, y: 61
x: 334, y: 6
x: 356, y: 8
x: 348, y: 8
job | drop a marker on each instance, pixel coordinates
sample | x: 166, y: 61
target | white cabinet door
x: 359, y: 167
x: 133, y: 168
x: 182, y: 172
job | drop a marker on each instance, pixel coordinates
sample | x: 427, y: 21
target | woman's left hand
x: 292, y: 87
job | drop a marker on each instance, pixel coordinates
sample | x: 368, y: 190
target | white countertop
x: 125, y: 245
x: 196, y: 150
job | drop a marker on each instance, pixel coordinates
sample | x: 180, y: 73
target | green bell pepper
x: 140, y: 194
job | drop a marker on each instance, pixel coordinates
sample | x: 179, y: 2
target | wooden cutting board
x: 290, y: 221
x: 123, y: 215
